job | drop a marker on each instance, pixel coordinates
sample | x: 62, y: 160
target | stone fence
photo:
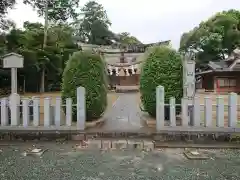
x: 194, y: 116
x: 25, y: 114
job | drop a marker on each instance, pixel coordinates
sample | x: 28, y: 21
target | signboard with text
x: 189, y: 79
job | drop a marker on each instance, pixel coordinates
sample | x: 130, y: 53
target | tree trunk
x: 44, y: 45
x: 42, y: 87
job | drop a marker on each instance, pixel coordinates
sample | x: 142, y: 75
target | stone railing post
x: 14, y: 102
x: 81, y: 108
x: 232, y: 110
x: 160, y: 117
x: 4, y: 112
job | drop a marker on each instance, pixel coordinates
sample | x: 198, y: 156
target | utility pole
x: 44, y: 44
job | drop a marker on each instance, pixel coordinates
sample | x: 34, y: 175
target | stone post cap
x: 14, y: 98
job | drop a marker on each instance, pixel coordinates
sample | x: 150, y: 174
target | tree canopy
x: 58, y: 10
x: 92, y: 25
x: 5, y: 5
x: 126, y: 38
x: 53, y: 57
x: 214, y: 38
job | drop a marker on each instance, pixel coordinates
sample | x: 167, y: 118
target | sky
x: 148, y: 20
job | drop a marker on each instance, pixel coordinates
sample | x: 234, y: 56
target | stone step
x: 120, y: 144
x: 148, y: 145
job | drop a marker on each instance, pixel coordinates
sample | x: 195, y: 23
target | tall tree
x: 93, y: 26
x: 56, y: 11
x: 52, y: 58
x: 5, y: 5
x: 214, y: 38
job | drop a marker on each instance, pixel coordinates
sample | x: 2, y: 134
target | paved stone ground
x: 124, y: 114
x: 63, y: 162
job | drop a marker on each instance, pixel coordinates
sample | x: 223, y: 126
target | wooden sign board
x: 12, y: 60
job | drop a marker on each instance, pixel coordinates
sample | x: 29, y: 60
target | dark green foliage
x: 214, y: 38
x: 28, y: 42
x: 93, y: 26
x: 5, y: 5
x: 163, y: 66
x: 87, y: 70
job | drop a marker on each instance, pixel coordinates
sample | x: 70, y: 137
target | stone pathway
x: 124, y: 114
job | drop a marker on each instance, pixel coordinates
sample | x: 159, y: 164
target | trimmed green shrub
x: 162, y: 66
x: 89, y: 71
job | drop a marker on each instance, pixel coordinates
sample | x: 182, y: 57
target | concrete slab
x: 195, y: 155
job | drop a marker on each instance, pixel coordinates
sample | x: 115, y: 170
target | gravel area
x: 63, y: 161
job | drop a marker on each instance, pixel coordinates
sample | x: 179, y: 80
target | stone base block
x: 119, y: 144
x: 78, y: 137
x: 94, y: 144
x: 160, y: 138
x: 106, y: 144
x: 148, y: 145
x: 135, y: 145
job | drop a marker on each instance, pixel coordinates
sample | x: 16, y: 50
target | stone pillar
x: 189, y: 83
x: 122, y: 59
x: 160, y: 106
x: 81, y: 108
x: 14, y: 106
x: 14, y: 80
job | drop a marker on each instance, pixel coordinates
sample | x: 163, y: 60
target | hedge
x: 162, y: 66
x: 89, y: 71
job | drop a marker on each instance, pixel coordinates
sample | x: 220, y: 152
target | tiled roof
x: 222, y: 66
x: 218, y: 65
x: 234, y: 55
